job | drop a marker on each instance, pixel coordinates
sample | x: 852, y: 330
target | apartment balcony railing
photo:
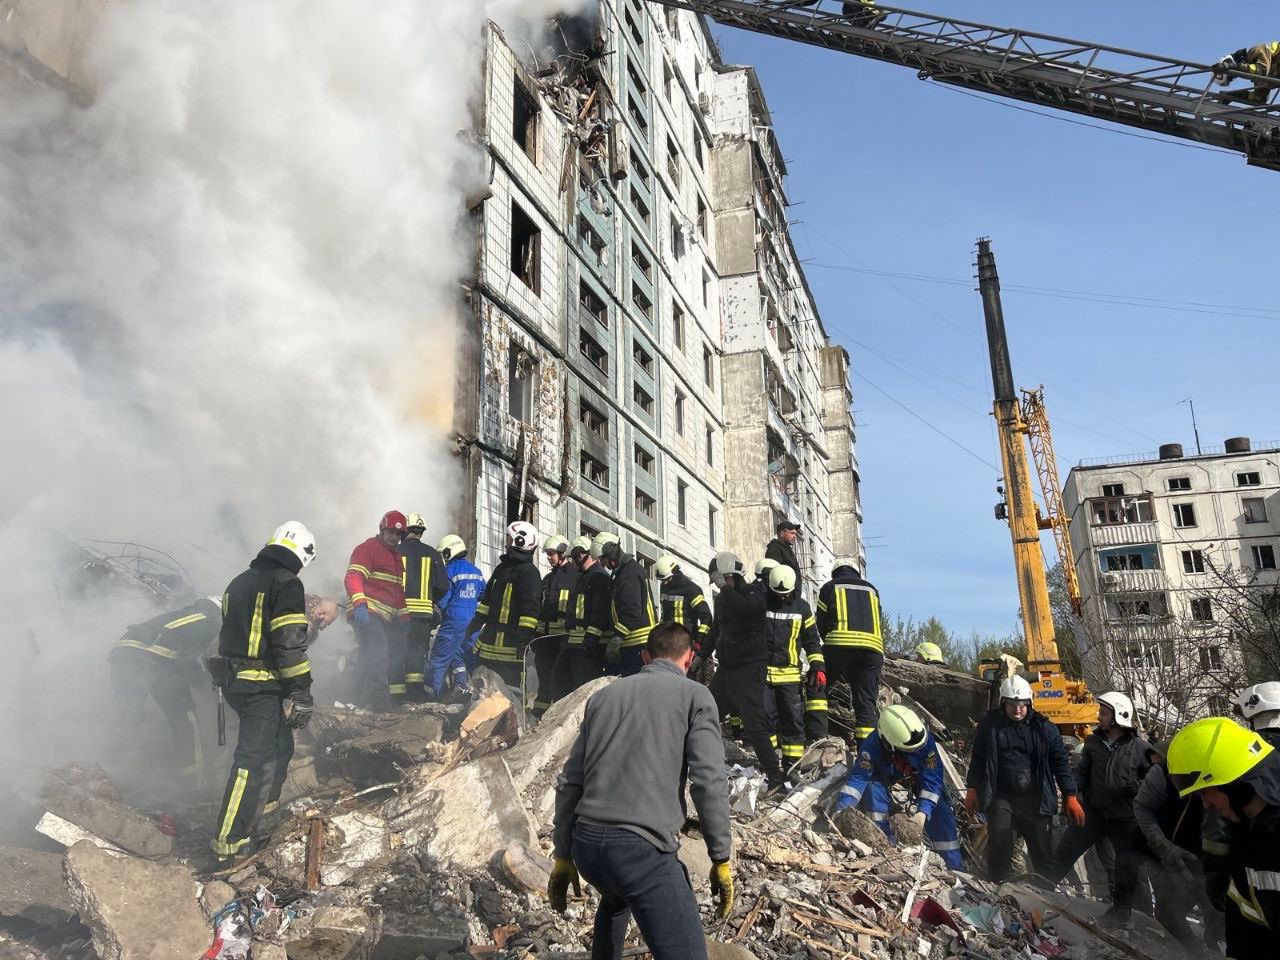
x: 1119, y: 534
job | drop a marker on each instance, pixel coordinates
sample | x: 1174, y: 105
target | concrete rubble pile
x: 426, y: 834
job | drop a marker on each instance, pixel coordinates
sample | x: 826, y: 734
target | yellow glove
x: 722, y: 887
x: 563, y: 873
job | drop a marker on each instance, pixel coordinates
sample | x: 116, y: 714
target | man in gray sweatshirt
x: 620, y: 804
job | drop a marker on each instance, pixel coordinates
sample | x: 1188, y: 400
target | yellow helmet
x: 1211, y: 753
x: 929, y: 652
x: 901, y: 728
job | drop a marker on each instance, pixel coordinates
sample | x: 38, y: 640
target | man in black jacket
x: 683, y: 601
x: 1112, y: 767
x: 782, y: 549
x: 588, y: 621
x: 738, y: 637
x: 507, y: 615
x: 848, y: 616
x: 632, y: 604
x: 557, y: 588
x: 1018, y: 766
x: 263, y: 669
x: 425, y: 579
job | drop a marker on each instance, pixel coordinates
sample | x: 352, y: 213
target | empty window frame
x: 590, y: 348
x: 640, y: 207
x: 643, y: 265
x: 524, y: 119
x: 677, y: 238
x: 1184, y: 515
x: 637, y: 115
x: 680, y: 398
x: 643, y: 459
x: 702, y: 218
x: 642, y: 398
x: 682, y: 502
x: 642, y: 357
x: 1210, y: 658
x: 711, y: 447
x: 1201, y: 609
x: 521, y: 372
x: 646, y: 506
x: 633, y: 28
x: 592, y: 305
x: 526, y: 249
x: 637, y: 81
x: 1264, y: 556
x: 711, y: 525
x: 677, y: 326
x: 592, y: 420
x: 639, y: 170
x: 1192, y: 561
x: 708, y: 367
x: 1254, y: 508
x: 668, y: 79
x: 588, y: 237
x: 1113, y: 489
x: 673, y: 162
x: 641, y: 301
x: 706, y: 289
x: 1120, y: 510
x: 699, y: 152
x: 1250, y: 478
x: 1124, y: 561
x: 593, y: 471
x: 1178, y: 483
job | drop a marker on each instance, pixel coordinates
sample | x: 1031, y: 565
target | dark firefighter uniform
x: 848, y: 618
x: 507, y: 616
x: 557, y: 589
x: 263, y: 643
x: 633, y: 613
x: 789, y: 628
x: 590, y: 622
x: 740, y: 686
x: 425, y: 581
x: 160, y: 658
x: 1262, y: 60
x: 374, y: 582
x: 684, y: 602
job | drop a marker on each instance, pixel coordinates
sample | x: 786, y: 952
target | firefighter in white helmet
x: 682, y: 600
x: 506, y: 618
x: 1260, y: 707
x: 426, y: 585
x: 557, y: 587
x: 790, y: 629
x: 589, y: 621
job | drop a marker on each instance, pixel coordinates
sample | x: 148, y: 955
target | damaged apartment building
x: 649, y: 356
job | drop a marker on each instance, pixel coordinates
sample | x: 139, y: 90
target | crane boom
x: 1157, y: 94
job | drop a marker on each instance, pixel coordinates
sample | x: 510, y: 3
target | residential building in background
x: 1167, y: 547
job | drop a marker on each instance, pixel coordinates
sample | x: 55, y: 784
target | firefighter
x: 557, y: 587
x: 447, y: 662
x: 1112, y: 767
x: 790, y: 628
x: 782, y: 548
x: 762, y: 569
x: 1018, y: 766
x: 631, y: 602
x: 263, y: 670
x: 903, y: 751
x: 682, y: 600
x: 1260, y: 707
x: 426, y: 585
x: 507, y: 616
x: 738, y: 638
x: 589, y: 622
x: 1258, y: 61
x: 160, y: 658
x: 849, y: 621
x: 815, y: 705
x: 377, y: 613
x: 863, y: 13
x: 1236, y: 774
x: 929, y: 652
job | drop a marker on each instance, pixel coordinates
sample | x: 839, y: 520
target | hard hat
x: 451, y: 545
x: 297, y: 539
x: 1121, y: 706
x: 929, y: 652
x: 1015, y: 688
x: 666, y: 566
x: 764, y: 566
x: 1260, y: 698
x: 415, y: 522
x: 726, y: 563
x: 393, y: 520
x: 846, y: 563
x: 522, y: 535
x: 782, y: 579
x: 554, y: 543
x: 606, y: 546
x: 901, y: 728
x: 582, y: 543
x: 1212, y: 753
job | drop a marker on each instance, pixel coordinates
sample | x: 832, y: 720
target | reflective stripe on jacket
x: 374, y: 580
x: 423, y: 578
x: 790, y: 627
x: 848, y: 613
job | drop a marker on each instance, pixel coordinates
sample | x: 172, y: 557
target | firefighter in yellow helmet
x: 1237, y: 775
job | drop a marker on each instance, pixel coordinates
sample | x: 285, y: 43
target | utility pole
x: 1194, y: 428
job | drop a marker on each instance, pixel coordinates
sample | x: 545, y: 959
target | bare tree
x: 1248, y: 606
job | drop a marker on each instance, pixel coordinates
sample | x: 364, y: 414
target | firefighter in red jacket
x: 377, y: 612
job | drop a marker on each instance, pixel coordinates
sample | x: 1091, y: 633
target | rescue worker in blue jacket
x: 902, y: 750
x: 448, y: 659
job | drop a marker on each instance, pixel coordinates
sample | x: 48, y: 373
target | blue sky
x: 896, y: 174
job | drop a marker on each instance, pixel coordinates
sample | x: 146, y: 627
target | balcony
x: 1129, y: 581
x: 1119, y: 534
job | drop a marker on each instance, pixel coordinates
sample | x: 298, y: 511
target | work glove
x: 298, y: 708
x: 563, y: 873
x: 971, y: 802
x: 360, y: 615
x: 613, y: 650
x: 1075, y: 812
x: 919, y: 818
x: 722, y: 888
x: 1181, y: 862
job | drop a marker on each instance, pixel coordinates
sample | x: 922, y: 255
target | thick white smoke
x: 228, y: 297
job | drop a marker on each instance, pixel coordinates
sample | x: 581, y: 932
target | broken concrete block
x: 123, y: 826
x: 32, y: 886
x: 135, y: 909
x: 265, y: 950
x: 527, y: 869
x: 856, y: 825
x: 353, y: 842
x: 215, y: 896
x: 335, y: 933
x: 727, y: 951
x: 301, y: 781
x: 410, y: 936
x: 550, y: 743
x: 385, y: 752
x: 68, y: 834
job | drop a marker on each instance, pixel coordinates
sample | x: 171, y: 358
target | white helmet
x: 582, y: 543
x: 416, y: 522
x: 724, y: 564
x: 451, y: 545
x: 555, y: 544
x: 1121, y: 706
x: 522, y: 535
x: 782, y: 579
x: 606, y: 546
x: 1260, y: 698
x: 295, y: 538
x: 764, y: 566
x: 1015, y: 688
x: 846, y: 563
x: 666, y: 566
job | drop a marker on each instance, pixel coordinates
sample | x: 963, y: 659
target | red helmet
x: 393, y: 520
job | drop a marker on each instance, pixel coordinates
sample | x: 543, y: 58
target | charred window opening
x: 526, y: 249
x: 592, y: 305
x: 643, y: 459
x: 646, y: 506
x: 591, y: 349
x: 522, y: 370
x: 590, y: 238
x: 593, y: 420
x: 642, y: 263
x: 593, y: 470
x: 519, y: 508
x: 642, y: 398
x: 642, y: 357
x: 524, y: 119
x: 641, y: 209
x: 643, y: 303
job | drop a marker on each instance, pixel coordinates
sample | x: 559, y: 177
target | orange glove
x: 1075, y: 812
x: 971, y: 802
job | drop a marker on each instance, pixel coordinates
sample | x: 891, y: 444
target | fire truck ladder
x: 1175, y: 98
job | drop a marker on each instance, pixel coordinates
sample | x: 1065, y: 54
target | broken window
x: 1192, y: 561
x: 677, y: 238
x: 642, y: 263
x: 702, y: 218
x: 637, y: 81
x: 1255, y: 509
x: 637, y: 115
x: 521, y: 371
x: 1130, y: 606
x: 638, y: 168
x: 593, y: 470
x: 519, y: 508
x: 1201, y: 609
x: 708, y: 367
x: 1113, y: 489
x: 593, y: 420
x: 646, y: 506
x: 711, y: 525
x: 677, y: 325
x: 1121, y: 510
x: 633, y: 28
x: 642, y: 357
x: 643, y: 303
x: 668, y: 78
x: 643, y: 459
x: 682, y: 502
x: 588, y: 237
x: 673, y: 162
x: 592, y: 305
x: 1184, y: 514
x: 711, y: 447
x: 1264, y: 556
x: 1179, y: 483
x: 526, y: 249
x: 1124, y: 561
x: 524, y: 120
x: 591, y: 349
x: 1210, y: 658
x: 1249, y: 479
x: 698, y: 149
x: 640, y: 207
x: 680, y: 413
x: 642, y: 398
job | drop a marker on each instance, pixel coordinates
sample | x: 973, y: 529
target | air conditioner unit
x: 1110, y: 581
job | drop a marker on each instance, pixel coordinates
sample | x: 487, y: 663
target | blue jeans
x: 635, y: 877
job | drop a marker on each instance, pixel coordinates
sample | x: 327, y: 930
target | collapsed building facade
x: 649, y: 356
